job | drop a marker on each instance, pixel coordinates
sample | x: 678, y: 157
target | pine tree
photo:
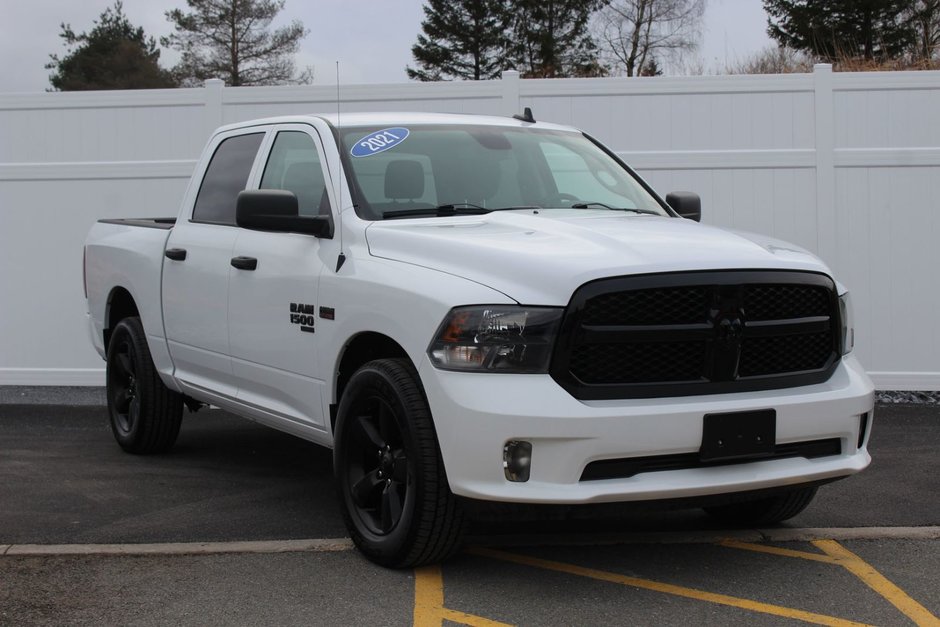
x: 552, y: 39
x: 839, y: 29
x: 113, y: 55
x: 461, y: 39
x: 231, y: 40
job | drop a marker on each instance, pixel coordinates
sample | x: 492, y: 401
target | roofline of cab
x: 359, y: 119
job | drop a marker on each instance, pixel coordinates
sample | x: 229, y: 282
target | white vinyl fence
x: 845, y: 164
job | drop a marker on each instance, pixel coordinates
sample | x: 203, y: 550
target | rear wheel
x: 393, y: 492
x: 145, y: 414
x: 766, y: 511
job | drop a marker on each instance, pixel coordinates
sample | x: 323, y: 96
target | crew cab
x: 472, y: 308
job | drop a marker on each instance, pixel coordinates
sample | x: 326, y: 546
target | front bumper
x: 476, y: 414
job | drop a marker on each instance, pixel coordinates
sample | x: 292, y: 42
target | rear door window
x: 226, y: 176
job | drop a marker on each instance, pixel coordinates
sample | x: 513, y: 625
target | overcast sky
x: 372, y: 39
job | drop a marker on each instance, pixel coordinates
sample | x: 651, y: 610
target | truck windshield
x: 445, y: 170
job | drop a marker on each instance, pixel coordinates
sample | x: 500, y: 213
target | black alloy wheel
x: 122, y: 386
x: 393, y: 492
x: 145, y: 415
x: 378, y: 476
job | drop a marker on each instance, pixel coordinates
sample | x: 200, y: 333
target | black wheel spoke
x: 124, y: 360
x: 375, y: 439
x: 391, y: 506
x: 387, y: 426
x: 400, y: 474
x: 363, y: 489
x: 122, y: 401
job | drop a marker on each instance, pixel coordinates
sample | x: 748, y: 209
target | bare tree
x: 635, y: 33
x: 924, y: 16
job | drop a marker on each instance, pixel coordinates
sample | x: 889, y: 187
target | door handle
x: 176, y: 254
x: 244, y: 263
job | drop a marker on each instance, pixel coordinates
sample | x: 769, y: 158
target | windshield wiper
x: 451, y: 209
x: 587, y: 205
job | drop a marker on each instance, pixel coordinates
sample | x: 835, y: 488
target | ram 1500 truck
x: 477, y: 309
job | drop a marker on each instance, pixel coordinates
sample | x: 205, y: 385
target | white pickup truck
x: 477, y: 309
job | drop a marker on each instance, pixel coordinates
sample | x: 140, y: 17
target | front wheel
x: 393, y: 492
x: 145, y: 414
x: 766, y: 511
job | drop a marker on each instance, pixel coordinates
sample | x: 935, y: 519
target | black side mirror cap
x: 686, y: 204
x: 277, y: 210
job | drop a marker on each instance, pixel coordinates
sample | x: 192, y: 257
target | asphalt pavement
x: 63, y: 481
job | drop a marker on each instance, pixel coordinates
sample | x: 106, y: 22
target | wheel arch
x: 360, y: 349
x: 120, y: 305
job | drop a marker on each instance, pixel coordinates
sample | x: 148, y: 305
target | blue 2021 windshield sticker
x: 379, y: 141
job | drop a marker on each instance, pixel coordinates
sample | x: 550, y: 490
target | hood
x: 540, y: 258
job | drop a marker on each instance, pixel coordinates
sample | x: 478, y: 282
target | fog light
x: 517, y: 459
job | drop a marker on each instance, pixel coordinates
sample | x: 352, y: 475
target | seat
x: 305, y: 179
x: 404, y: 180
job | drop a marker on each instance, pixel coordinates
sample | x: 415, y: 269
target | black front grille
x: 784, y: 353
x: 662, y: 361
x: 697, y: 333
x: 631, y: 466
x: 782, y: 302
x: 671, y: 305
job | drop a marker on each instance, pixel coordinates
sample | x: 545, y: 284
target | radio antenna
x: 339, y: 145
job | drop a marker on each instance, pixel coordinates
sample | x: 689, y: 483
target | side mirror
x: 277, y: 210
x: 686, y: 204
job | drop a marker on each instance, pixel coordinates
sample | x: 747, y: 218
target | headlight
x: 847, y: 323
x: 497, y: 338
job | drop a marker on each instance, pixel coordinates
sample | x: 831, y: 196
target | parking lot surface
x: 239, y: 525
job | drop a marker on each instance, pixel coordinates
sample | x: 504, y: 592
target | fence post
x: 825, y: 163
x: 510, y: 85
x: 213, y: 109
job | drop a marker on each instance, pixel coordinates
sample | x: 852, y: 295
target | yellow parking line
x: 429, y: 603
x: 877, y: 582
x: 429, y: 596
x: 761, y: 548
x: 646, y: 584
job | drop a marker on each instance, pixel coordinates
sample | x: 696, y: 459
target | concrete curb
x: 330, y: 545
x: 326, y: 545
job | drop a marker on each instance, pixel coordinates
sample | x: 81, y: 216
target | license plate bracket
x: 738, y: 435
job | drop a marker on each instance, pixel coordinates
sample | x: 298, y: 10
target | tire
x: 393, y: 491
x: 145, y: 414
x: 766, y: 511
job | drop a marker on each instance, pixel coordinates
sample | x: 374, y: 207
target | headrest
x: 404, y: 180
x: 302, y: 174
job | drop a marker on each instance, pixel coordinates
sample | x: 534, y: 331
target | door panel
x: 273, y: 308
x: 196, y: 276
x: 195, y: 305
x: 272, y: 327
